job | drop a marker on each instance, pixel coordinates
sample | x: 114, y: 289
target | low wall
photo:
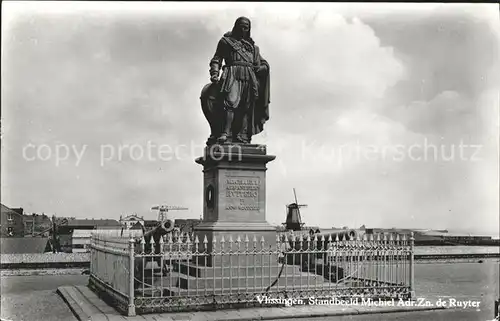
x: 82, y: 260
x: 46, y: 260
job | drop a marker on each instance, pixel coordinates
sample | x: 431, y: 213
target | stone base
x: 199, y: 279
x: 253, y: 231
x: 261, y: 239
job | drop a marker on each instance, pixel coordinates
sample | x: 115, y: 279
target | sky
x: 385, y: 115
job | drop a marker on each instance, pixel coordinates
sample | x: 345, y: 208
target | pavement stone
x: 86, y: 306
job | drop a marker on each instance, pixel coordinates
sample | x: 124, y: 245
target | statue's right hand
x: 214, y: 78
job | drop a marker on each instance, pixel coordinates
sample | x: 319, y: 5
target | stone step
x: 251, y: 292
x: 236, y: 259
x: 189, y: 282
x: 207, y: 272
x: 149, y: 292
x: 210, y: 292
x: 308, y: 280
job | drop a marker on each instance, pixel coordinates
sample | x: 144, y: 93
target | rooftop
x: 5, y: 209
x: 92, y: 223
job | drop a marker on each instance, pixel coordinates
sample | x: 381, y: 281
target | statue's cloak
x: 261, y: 108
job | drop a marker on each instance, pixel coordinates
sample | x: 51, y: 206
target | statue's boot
x: 243, y: 135
x: 227, y: 126
x: 211, y: 140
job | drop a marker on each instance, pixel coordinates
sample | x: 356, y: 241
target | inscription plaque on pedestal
x: 242, y: 193
x: 242, y: 196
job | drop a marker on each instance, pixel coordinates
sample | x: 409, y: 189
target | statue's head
x: 242, y: 27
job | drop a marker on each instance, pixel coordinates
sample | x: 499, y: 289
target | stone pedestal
x: 234, y: 201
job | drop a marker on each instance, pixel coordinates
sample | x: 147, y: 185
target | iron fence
x: 111, y: 269
x: 184, y: 273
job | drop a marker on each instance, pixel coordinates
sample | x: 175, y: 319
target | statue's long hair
x: 234, y: 30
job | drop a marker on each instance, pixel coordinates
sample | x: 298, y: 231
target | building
x: 150, y: 224
x: 11, y: 222
x: 84, y: 228
x: 37, y: 224
x: 131, y: 220
x: 451, y: 238
x: 186, y: 225
x: 435, y: 237
x: 80, y: 239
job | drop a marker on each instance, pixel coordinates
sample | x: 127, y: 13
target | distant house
x: 150, y: 224
x: 451, y: 238
x: 187, y: 225
x: 11, y: 222
x: 80, y: 241
x: 84, y: 228
x: 131, y: 220
x: 37, y: 224
x: 136, y: 226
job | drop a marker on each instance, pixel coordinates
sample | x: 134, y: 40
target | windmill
x: 293, y: 218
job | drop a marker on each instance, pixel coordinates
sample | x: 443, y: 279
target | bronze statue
x: 236, y: 105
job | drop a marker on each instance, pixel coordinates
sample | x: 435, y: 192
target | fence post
x: 412, y: 266
x: 497, y: 309
x: 131, y: 305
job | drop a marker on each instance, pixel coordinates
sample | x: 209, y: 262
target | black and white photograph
x: 219, y: 161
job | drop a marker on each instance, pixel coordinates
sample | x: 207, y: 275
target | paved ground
x: 34, y: 298
x: 462, y: 281
x: 442, y: 315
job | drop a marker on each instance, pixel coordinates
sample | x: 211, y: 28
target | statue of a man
x: 241, y: 96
